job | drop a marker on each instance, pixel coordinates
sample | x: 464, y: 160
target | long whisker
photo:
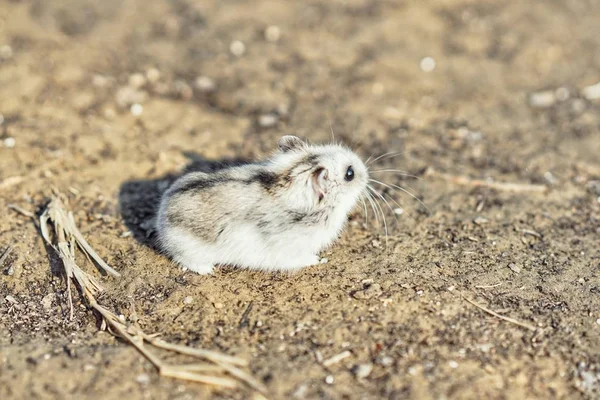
x: 370, y: 200
x: 384, y: 221
x: 382, y: 198
x: 391, y: 185
x: 365, y: 211
x: 399, y: 172
x: 391, y: 154
x: 332, y: 135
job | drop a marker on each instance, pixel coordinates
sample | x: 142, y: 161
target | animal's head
x: 321, y: 176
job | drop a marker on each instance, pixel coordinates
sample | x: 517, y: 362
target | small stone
x: 267, y: 120
x: 9, y: 142
x: 453, y: 364
x: 542, y: 99
x: 323, y: 260
x: 144, y: 379
x: 100, y: 81
x: 592, y: 92
x: 136, y: 109
x: 205, y: 84
x: 398, y: 211
x: 272, y: 33
x: 363, y: 370
x: 11, y: 299
x: 137, y: 80
x: 47, y: 301
x: 237, y: 48
x: 514, y: 268
x: 218, y: 305
x: 427, y: 64
x: 598, y: 321
x: 451, y: 288
x: 329, y: 379
x: 153, y: 75
x: 126, y: 96
x: 480, y: 221
x: 188, y: 300
x: 6, y: 52
x: 386, y: 361
x: 376, y: 244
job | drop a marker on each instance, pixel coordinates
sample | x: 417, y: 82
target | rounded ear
x: 290, y: 142
x: 318, y: 182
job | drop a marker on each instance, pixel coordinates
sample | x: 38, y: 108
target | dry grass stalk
x: 64, y: 239
x: 500, y: 186
x: 502, y: 317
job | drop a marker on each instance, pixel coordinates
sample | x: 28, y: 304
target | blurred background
x: 104, y: 99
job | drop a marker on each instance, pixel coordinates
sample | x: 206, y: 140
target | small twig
x: 530, y: 232
x: 15, y: 180
x: 502, y: 317
x: 502, y: 186
x: 5, y: 255
x: 244, y: 319
x: 21, y: 210
x: 337, y: 358
x: 489, y: 286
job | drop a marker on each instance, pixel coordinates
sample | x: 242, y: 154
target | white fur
x: 242, y: 244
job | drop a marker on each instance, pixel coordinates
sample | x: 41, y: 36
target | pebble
x: 153, y: 75
x: 267, y: 120
x: 126, y: 96
x: 376, y: 244
x: 453, y: 364
x: 9, y: 142
x: 323, y: 260
x: 237, y: 48
x: 47, y: 301
x: 188, y: 300
x: 136, y: 109
x: 11, y: 299
x: 592, y: 92
x: 398, y: 211
x: 480, y: 221
x: 363, y: 370
x: 137, y: 80
x: 205, y: 84
x: 272, y: 33
x: 143, y: 379
x: 329, y: 379
x: 386, y: 361
x: 514, y: 268
x: 218, y: 305
x: 598, y: 321
x: 6, y: 52
x: 542, y: 99
x: 427, y: 64
x: 100, y: 81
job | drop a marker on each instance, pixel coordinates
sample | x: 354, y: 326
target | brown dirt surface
x: 505, y: 102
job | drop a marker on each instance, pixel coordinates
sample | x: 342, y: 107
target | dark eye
x: 349, y: 174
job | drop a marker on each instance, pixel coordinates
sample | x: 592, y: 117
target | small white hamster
x: 276, y: 214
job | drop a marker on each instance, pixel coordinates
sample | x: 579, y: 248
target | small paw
x: 200, y: 269
x: 312, y: 260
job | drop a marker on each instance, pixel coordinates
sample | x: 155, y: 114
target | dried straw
x: 60, y: 232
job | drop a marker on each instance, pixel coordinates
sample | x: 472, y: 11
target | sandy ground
x: 504, y: 102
